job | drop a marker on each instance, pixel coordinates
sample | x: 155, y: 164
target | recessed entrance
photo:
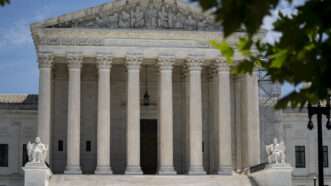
x: 148, y: 146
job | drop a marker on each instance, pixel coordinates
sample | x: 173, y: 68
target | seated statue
x: 37, y: 151
x: 276, y: 152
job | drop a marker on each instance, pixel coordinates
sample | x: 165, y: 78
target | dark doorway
x: 148, y: 146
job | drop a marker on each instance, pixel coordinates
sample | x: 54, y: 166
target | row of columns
x: 133, y: 62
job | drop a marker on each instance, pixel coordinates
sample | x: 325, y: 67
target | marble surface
x: 84, y: 180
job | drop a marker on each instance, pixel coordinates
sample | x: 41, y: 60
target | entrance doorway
x: 148, y: 146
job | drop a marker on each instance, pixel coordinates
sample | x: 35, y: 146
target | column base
x: 167, y: 170
x: 225, y: 170
x: 133, y: 170
x: 73, y: 170
x: 197, y: 170
x: 103, y: 170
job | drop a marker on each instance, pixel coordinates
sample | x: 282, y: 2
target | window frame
x: 300, y: 150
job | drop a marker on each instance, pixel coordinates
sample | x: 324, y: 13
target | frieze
x: 141, y: 15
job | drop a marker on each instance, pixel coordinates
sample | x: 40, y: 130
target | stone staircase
x: 146, y: 180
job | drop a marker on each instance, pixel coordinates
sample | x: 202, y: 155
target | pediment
x: 139, y: 14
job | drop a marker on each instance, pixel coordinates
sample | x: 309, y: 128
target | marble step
x: 155, y: 180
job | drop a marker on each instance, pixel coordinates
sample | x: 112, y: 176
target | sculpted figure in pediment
x: 179, y: 19
x: 190, y: 23
x: 151, y: 17
x: 124, y: 20
x: 112, y: 21
x: 163, y: 18
x: 138, y: 18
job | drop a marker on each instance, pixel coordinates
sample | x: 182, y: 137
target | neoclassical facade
x: 133, y: 87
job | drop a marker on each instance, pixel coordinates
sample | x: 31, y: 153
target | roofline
x: 104, y: 7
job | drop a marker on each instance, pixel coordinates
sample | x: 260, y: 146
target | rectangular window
x: 88, y: 146
x: 300, y: 157
x: 60, y: 146
x: 25, y: 157
x: 3, y: 155
x: 326, y: 156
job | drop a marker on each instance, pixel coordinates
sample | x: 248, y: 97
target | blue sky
x: 18, y: 64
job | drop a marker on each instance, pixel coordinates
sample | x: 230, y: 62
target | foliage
x: 4, y: 2
x: 301, y: 56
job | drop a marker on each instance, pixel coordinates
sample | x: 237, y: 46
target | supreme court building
x: 134, y: 87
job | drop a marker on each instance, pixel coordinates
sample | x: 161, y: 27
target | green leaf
x: 225, y: 49
x: 279, y: 58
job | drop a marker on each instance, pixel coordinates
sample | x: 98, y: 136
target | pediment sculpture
x: 153, y: 15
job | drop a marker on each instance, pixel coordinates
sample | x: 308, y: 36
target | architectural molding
x: 143, y: 14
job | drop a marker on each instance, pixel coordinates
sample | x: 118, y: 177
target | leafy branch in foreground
x: 302, y: 55
x: 4, y: 2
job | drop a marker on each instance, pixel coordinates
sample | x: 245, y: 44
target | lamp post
x: 315, y: 180
x: 319, y: 111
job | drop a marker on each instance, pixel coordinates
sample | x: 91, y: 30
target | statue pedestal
x: 274, y: 175
x: 36, y: 174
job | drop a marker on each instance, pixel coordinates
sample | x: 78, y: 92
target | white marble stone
x: 73, y: 133
x: 133, y: 114
x: 178, y: 180
x: 274, y: 175
x: 45, y: 61
x: 36, y: 174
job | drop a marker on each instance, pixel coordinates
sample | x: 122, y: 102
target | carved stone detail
x: 194, y: 62
x: 75, y: 60
x: 104, y: 61
x: 166, y: 62
x: 45, y: 60
x: 37, y: 151
x: 134, y: 60
x: 221, y: 65
x: 149, y: 15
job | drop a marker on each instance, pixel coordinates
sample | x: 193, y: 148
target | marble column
x: 251, y: 119
x: 195, y: 115
x: 73, y: 131
x: 103, y: 129
x: 224, y: 118
x: 44, y: 104
x: 133, y: 114
x: 166, y: 116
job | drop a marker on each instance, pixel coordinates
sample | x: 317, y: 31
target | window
x: 25, y: 157
x: 300, y: 157
x: 60, y: 146
x: 88, y: 146
x: 3, y: 155
x: 325, y: 156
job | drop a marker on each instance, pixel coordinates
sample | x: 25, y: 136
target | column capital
x: 134, y: 60
x: 45, y: 60
x: 75, y: 60
x: 166, y: 62
x: 194, y: 62
x: 104, y: 61
x: 221, y: 65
